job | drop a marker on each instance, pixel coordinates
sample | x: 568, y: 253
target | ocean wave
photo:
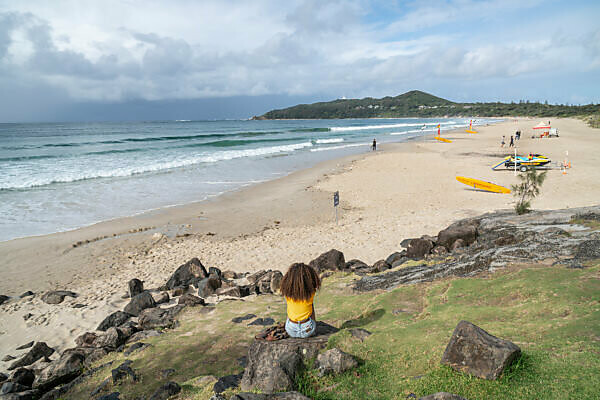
x: 387, y: 126
x: 78, y: 175
x: 334, y: 140
x: 340, y: 147
x: 310, y: 130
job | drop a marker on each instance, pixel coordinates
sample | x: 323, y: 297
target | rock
x: 165, y: 391
x: 231, y: 292
x: 262, y: 322
x: 464, y: 229
x: 78, y: 305
x: 90, y: 354
x: 276, y: 281
x: 191, y: 300
x: 246, y: 317
x: 135, y: 347
x: 8, y: 358
x: 360, y: 333
x: 439, y: 250
x: 26, y: 395
x: 153, y: 318
x: 215, y: 271
x: 273, y: 396
x: 12, y: 387
x: 180, y: 290
x: 58, y: 393
x: 23, y: 376
x: 111, y: 396
x: 61, y: 371
x: 39, y: 350
x: 380, y: 266
x: 442, y: 396
x: 165, y: 373
x: 187, y: 274
x: 115, y: 319
x: 86, y: 340
x: 3, y: 377
x: 418, y: 248
x: 57, y: 296
x: 25, y: 346
x: 217, y: 396
x: 161, y: 298
x: 113, y: 338
x: 272, y: 366
x: 392, y: 258
x: 332, y: 260
x: 27, y: 294
x: 140, y: 302
x: 227, y: 382
x: 357, y: 267
x: 3, y: 299
x: 255, y: 277
x: 208, y: 286
x: 335, y: 361
x: 474, y: 351
x: 143, y: 335
x: 229, y: 275
x: 123, y: 371
x: 587, y: 250
x: 400, y: 261
x: 458, y: 243
x: 135, y: 287
x: 27, y: 317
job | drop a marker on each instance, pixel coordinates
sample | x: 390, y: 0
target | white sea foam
x: 387, y: 126
x: 339, y: 147
x: 335, y: 140
x: 21, y: 180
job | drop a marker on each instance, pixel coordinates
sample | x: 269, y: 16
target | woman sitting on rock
x: 298, y: 286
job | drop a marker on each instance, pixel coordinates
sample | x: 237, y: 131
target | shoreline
x: 406, y: 190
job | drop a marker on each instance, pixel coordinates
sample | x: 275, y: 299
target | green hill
x: 420, y: 104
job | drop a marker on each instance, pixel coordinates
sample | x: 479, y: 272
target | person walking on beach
x: 374, y: 145
x: 298, y: 287
x: 512, y: 141
x: 503, y: 142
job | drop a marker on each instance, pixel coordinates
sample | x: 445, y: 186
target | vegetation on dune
x: 419, y: 104
x: 552, y: 313
x: 528, y: 189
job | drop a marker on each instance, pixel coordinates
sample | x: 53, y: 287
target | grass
x: 552, y: 313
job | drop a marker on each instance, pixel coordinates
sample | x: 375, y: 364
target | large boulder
x: 418, y: 248
x: 272, y: 366
x: 358, y: 267
x: 115, y: 319
x: 187, y: 274
x: 165, y: 391
x: 464, y: 229
x: 39, y: 350
x: 111, y: 339
x: 191, y: 300
x: 57, y: 296
x: 208, y: 286
x: 23, y: 376
x: 332, y: 260
x: 63, y: 370
x: 153, y: 318
x: 276, y: 281
x: 135, y: 287
x: 11, y: 387
x: 474, y: 351
x: 396, y: 256
x: 335, y: 361
x: 380, y: 266
x: 139, y: 303
x: 442, y: 396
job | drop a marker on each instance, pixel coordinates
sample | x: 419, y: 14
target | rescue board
x: 470, y: 131
x: 441, y: 139
x: 487, y: 186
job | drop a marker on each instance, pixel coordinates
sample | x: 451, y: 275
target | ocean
x: 61, y: 176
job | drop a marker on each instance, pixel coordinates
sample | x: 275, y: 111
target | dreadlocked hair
x: 300, y: 282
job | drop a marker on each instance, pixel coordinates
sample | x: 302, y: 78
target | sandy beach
x: 401, y: 191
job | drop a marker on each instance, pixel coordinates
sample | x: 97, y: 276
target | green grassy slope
x: 552, y: 313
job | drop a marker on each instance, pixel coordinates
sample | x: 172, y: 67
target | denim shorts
x: 304, y: 330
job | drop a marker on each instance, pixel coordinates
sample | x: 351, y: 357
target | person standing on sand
x: 512, y: 141
x: 503, y: 142
x: 374, y: 145
x: 298, y: 287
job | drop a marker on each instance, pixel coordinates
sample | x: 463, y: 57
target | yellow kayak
x: 441, y: 139
x: 487, y: 186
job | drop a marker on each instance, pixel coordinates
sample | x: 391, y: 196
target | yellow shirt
x: 299, y: 310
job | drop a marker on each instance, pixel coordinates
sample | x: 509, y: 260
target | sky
x: 82, y: 60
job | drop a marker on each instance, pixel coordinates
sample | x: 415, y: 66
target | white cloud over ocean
x: 114, y: 51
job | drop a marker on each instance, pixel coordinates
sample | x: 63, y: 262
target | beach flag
x: 438, y: 129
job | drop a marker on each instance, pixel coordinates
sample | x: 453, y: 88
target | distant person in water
x: 298, y: 287
x: 512, y: 141
x: 374, y: 146
x: 503, y: 142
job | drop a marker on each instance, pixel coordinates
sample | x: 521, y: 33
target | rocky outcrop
x: 187, y: 274
x: 474, y: 351
x: 153, y: 318
x: 272, y: 366
x: 63, y: 370
x: 464, y: 229
x: 115, y: 319
x: 380, y: 266
x: 57, y: 296
x: 208, y: 286
x: 135, y: 287
x: 190, y: 300
x: 38, y: 351
x: 333, y: 260
x: 139, y: 303
x: 165, y: 391
x: 23, y: 376
x: 334, y: 361
x: 418, y: 248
